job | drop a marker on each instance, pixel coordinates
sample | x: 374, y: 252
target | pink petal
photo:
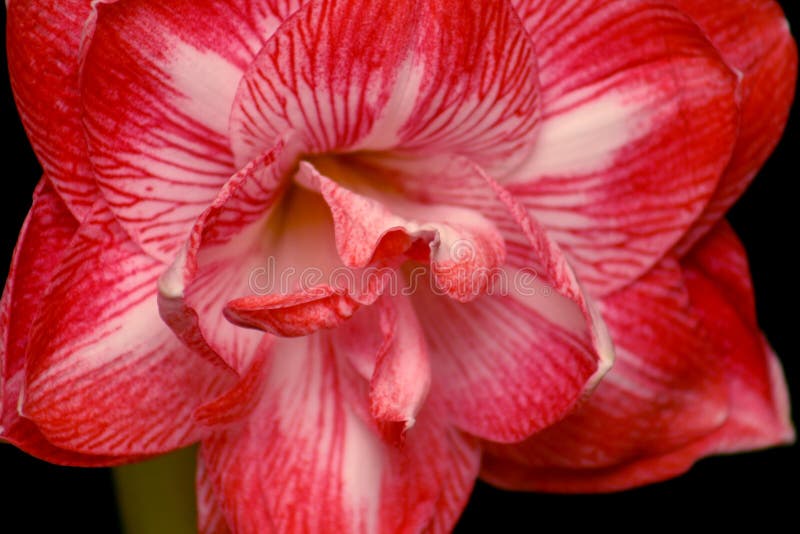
x: 721, y: 257
x: 615, y: 443
x: 240, y: 239
x: 297, y: 314
x: 464, y: 247
x: 402, y: 374
x: 44, y: 238
x: 157, y: 93
x: 103, y: 373
x: 432, y: 77
x: 385, y: 345
x: 754, y: 38
x: 306, y: 460
x: 639, y: 120
x: 519, y: 358
x: 665, y: 390
x: 43, y: 43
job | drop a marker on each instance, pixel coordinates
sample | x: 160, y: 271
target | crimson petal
x: 103, y: 374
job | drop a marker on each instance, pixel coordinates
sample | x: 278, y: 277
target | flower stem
x: 158, y: 495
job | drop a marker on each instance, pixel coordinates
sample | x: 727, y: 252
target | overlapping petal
x: 429, y: 77
x: 103, y: 374
x: 554, y: 346
x: 157, y: 92
x: 638, y: 123
x: 235, y: 244
x: 753, y: 37
x: 44, y: 237
x: 693, y: 377
x: 308, y: 460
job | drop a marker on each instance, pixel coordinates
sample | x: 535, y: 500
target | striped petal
x: 45, y: 236
x: 668, y: 402
x: 521, y: 356
x: 639, y: 120
x: 244, y: 244
x: 754, y: 38
x: 157, y: 92
x: 665, y: 390
x: 307, y: 461
x: 44, y: 44
x: 428, y: 77
x: 103, y: 374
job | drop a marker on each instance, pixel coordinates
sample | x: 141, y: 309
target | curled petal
x: 694, y: 378
x: 464, y: 247
x: 218, y: 262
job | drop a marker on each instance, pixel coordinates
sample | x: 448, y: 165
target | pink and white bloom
x: 193, y: 149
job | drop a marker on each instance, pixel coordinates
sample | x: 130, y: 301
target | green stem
x: 158, y: 496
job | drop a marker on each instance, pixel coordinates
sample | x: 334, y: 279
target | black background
x: 761, y: 486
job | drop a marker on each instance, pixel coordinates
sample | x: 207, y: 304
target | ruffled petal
x: 753, y: 37
x: 240, y: 247
x: 307, y: 459
x: 158, y: 84
x: 521, y: 356
x: 45, y: 236
x: 44, y: 46
x: 639, y: 119
x: 103, y: 374
x: 430, y: 77
x: 464, y: 247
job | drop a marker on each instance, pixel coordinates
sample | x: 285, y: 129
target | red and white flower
x: 186, y: 144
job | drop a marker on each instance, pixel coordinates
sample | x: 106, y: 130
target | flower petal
x: 157, y: 92
x: 665, y: 390
x: 639, y: 120
x: 103, y: 373
x: 306, y: 461
x: 231, y: 247
x: 757, y: 389
x: 44, y: 45
x: 753, y: 37
x: 431, y: 77
x: 45, y: 236
x: 464, y: 247
x: 611, y: 444
x: 402, y: 375
x: 548, y: 345
x: 297, y: 314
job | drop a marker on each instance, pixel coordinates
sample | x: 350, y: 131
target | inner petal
x: 372, y: 224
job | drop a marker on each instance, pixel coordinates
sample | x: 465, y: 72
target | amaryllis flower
x: 365, y: 252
